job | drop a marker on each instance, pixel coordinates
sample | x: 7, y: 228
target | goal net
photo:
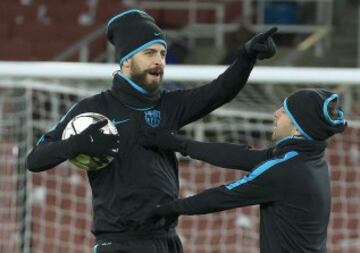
x: 51, y: 211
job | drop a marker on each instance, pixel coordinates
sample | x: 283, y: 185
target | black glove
x: 262, y: 46
x: 163, y: 139
x: 93, y: 142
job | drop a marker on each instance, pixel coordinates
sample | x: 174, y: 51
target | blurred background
x: 311, y: 32
x: 53, y: 53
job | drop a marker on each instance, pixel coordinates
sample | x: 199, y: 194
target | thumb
x: 98, y: 125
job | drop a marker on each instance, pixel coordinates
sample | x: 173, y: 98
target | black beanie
x: 131, y: 32
x: 308, y: 110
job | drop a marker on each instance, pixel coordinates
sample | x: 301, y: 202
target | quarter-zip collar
x: 293, y: 143
x: 133, y: 95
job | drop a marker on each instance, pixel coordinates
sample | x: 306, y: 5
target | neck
x: 295, y: 143
x: 127, y: 86
x: 298, y: 137
x: 133, y: 84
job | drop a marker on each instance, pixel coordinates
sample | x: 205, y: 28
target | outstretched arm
x: 218, y: 199
x: 224, y: 155
x: 258, y: 187
x: 227, y: 155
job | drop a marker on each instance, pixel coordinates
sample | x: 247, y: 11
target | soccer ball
x: 78, y: 124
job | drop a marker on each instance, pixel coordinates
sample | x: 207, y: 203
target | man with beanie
x: 138, y: 178
x: 289, y: 181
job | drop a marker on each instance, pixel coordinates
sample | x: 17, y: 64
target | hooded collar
x: 133, y: 95
x: 293, y: 143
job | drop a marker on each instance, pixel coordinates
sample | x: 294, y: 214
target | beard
x: 141, y: 77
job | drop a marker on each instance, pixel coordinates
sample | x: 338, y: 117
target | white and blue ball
x: 78, y: 124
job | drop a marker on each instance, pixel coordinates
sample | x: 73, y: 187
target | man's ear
x: 126, y: 63
x: 125, y: 66
x: 295, y: 132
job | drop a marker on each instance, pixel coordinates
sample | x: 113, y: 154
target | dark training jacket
x: 138, y: 178
x: 292, y: 188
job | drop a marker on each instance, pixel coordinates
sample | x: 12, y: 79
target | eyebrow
x: 154, y: 50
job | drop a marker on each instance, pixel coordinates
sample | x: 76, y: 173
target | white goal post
x: 89, y: 71
x: 51, y: 211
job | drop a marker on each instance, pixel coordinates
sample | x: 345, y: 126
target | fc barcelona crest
x: 152, y: 118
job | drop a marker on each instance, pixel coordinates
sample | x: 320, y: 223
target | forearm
x: 258, y: 187
x: 211, y: 201
x: 227, y: 155
x: 47, y: 155
x: 235, y: 76
x: 185, y: 106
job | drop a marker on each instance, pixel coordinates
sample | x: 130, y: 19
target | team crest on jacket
x: 152, y: 118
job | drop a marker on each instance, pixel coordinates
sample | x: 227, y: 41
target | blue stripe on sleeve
x: 261, y: 169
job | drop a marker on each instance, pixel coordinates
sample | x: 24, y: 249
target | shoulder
x: 276, y: 164
x: 92, y: 103
x: 171, y: 95
x: 96, y: 100
x: 285, y: 158
x: 278, y: 161
x: 292, y: 164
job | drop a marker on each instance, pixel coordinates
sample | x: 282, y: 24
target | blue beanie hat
x: 131, y: 32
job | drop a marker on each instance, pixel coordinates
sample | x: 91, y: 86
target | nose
x: 159, y: 59
x: 276, y: 113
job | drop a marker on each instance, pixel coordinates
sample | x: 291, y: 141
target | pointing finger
x: 270, y: 32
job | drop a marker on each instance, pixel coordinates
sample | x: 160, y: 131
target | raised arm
x: 183, y: 107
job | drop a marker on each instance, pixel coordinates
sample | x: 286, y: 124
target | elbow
x: 226, y: 97
x: 30, y: 163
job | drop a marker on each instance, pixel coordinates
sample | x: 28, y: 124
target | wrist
x: 246, y: 51
x: 74, y: 144
x: 70, y: 150
x: 167, y: 209
x: 183, y: 146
